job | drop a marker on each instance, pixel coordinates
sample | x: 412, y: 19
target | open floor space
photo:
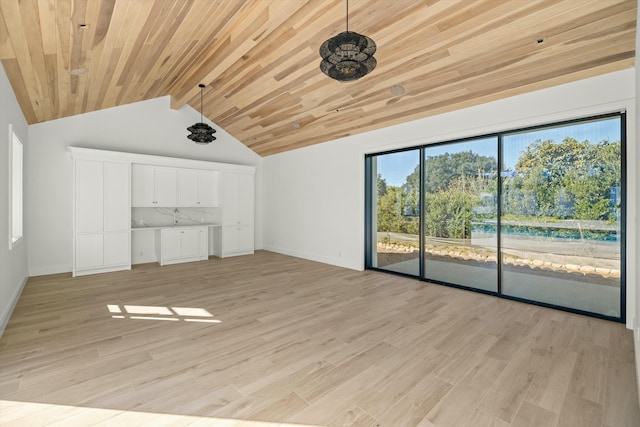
x: 268, y: 339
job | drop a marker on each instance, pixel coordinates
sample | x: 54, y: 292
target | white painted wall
x: 148, y: 127
x: 314, y: 196
x: 13, y: 263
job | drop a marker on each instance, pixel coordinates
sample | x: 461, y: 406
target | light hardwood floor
x: 268, y: 339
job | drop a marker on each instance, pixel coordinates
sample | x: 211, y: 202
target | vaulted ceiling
x: 260, y: 61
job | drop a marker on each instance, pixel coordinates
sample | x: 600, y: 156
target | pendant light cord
x: 201, y: 121
x: 347, y: 16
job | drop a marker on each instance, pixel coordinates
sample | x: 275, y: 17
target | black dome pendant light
x: 201, y: 133
x: 348, y: 55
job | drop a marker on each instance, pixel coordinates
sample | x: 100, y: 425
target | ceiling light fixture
x: 348, y: 55
x: 201, y: 133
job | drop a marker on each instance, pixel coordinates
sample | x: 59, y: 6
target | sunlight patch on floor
x: 44, y: 414
x: 152, y: 312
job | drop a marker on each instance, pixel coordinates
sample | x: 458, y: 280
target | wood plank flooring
x: 269, y: 340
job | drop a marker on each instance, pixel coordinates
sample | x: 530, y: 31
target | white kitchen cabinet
x: 154, y: 186
x: 197, y: 188
x: 183, y: 244
x: 102, y: 216
x: 237, y: 234
x: 98, y: 252
x: 237, y: 240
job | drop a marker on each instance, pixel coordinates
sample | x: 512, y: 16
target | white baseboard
x: 636, y: 347
x: 6, y: 315
x: 50, y: 269
x: 337, y: 261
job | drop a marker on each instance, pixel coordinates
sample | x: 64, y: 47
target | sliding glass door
x: 534, y: 215
x: 560, y: 224
x: 460, y: 213
x: 395, y: 211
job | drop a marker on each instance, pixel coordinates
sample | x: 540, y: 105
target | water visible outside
x: 560, y: 237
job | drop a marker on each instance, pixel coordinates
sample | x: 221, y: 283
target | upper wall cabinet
x: 154, y: 186
x: 197, y: 188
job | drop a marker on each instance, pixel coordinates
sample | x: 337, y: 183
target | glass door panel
x: 395, y: 213
x: 460, y: 213
x: 560, y: 228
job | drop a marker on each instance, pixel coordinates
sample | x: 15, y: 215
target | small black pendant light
x: 348, y: 55
x: 201, y: 133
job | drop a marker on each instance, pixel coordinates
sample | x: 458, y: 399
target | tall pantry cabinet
x: 238, y: 193
x: 101, y: 216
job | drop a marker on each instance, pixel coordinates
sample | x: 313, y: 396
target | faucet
x: 175, y: 216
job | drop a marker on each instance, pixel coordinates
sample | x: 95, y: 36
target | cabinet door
x: 116, y: 249
x: 170, y: 244
x: 166, y: 186
x: 190, y: 240
x: 89, y: 251
x: 89, y: 197
x: 245, y: 239
x: 187, y: 187
x: 230, y: 239
x: 142, y: 186
x: 230, y: 199
x: 117, y: 213
x: 203, y: 243
x: 245, y: 199
x: 207, y: 189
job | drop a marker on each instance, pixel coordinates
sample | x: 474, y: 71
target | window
x: 534, y: 214
x: 15, y: 188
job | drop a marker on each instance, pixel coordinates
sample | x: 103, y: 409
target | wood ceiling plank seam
x: 544, y: 17
x: 125, y: 17
x: 268, y: 50
x: 488, y: 60
x: 186, y: 89
x: 51, y: 64
x: 282, y: 102
x: 262, y: 89
x: 262, y: 36
x: 548, y: 22
x: 127, y: 40
x: 63, y: 47
x: 268, y: 88
x: 104, y: 38
x: 562, y: 55
x: 31, y: 20
x: 20, y: 68
x: 498, y: 77
x: 6, y: 48
x: 484, y: 88
x: 181, y: 89
x: 243, y: 43
x: 90, y: 52
x: 76, y: 57
x: 183, y: 42
x: 92, y: 43
x: 419, y: 111
x: 153, y: 50
x: 47, y: 17
x: 135, y: 51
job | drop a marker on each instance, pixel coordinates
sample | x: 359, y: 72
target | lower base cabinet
x: 237, y: 240
x: 183, y: 244
x: 102, y: 252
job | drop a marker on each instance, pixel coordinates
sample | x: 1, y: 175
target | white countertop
x: 159, y: 227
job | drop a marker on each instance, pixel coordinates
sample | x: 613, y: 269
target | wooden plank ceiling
x: 260, y: 61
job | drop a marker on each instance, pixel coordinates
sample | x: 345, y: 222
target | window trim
x: 13, y: 240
